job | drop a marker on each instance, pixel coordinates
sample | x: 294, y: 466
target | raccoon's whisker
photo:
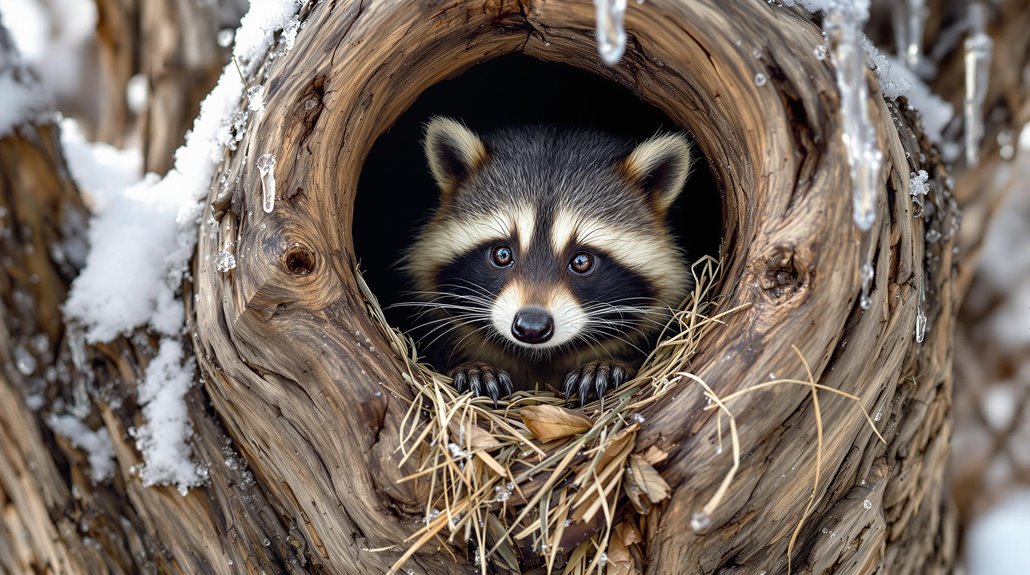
x: 451, y: 328
x: 482, y: 343
x: 439, y: 297
x: 468, y: 284
x: 452, y: 322
x: 610, y: 332
x: 448, y: 319
x: 447, y: 306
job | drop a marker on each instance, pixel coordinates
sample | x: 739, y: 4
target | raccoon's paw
x: 482, y: 379
x: 595, y: 378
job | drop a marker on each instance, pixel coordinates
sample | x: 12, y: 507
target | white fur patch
x: 569, y: 317
x: 524, y: 220
x: 446, y: 240
x: 649, y: 253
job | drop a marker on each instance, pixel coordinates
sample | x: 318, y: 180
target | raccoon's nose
x: 532, y: 325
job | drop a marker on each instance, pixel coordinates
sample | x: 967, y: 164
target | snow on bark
x: 97, y: 444
x: 24, y: 101
x: 149, y: 231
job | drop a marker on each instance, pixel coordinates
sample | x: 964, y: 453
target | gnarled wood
x: 311, y: 395
x: 287, y: 352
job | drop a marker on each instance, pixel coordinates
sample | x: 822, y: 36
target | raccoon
x: 549, y: 259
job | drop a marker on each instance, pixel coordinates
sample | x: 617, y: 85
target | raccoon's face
x: 548, y: 240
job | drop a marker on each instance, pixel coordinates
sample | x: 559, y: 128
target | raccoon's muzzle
x: 532, y: 325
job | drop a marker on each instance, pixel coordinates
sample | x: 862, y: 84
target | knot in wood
x: 781, y: 276
x: 299, y: 260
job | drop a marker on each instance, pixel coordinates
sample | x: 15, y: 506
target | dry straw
x: 534, y: 477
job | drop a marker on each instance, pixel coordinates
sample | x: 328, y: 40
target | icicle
x: 978, y: 48
x: 921, y: 312
x: 842, y: 24
x: 909, y: 16
x: 611, y: 33
x: 867, y: 272
x: 266, y: 169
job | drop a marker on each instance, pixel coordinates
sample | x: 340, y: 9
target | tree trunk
x: 301, y: 442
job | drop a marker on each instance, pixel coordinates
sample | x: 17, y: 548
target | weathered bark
x: 293, y: 369
x: 181, y: 61
x: 118, y: 37
x: 173, y: 46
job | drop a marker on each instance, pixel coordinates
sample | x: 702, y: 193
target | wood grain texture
x: 297, y: 370
x: 300, y: 397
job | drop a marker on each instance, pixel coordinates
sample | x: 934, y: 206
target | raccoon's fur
x: 549, y: 260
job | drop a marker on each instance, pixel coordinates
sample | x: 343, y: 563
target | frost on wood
x: 164, y: 438
x: 610, y: 31
x: 256, y: 98
x: 897, y: 80
x: 978, y: 48
x: 918, y: 188
x: 97, y: 444
x: 226, y: 261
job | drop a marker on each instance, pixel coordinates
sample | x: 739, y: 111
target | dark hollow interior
x: 396, y: 192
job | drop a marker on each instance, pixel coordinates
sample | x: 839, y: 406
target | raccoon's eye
x: 501, y: 256
x: 581, y: 263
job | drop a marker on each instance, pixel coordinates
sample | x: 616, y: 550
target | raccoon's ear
x: 453, y: 151
x: 660, y: 167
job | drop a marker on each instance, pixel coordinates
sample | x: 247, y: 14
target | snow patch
x: 97, y: 444
x: 897, y: 80
x: 24, y: 101
x: 917, y: 184
x: 996, y: 543
x: 149, y: 230
x: 164, y: 440
x: 53, y: 36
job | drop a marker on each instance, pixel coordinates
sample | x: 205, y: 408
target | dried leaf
x: 654, y: 455
x: 477, y: 437
x: 620, y: 560
x: 547, y: 422
x: 618, y: 446
x: 648, y: 479
x: 629, y: 532
x: 491, y: 463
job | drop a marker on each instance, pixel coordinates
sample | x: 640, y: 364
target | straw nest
x: 535, y: 476
x: 537, y: 484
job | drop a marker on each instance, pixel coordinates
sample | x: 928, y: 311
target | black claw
x: 490, y: 381
x: 474, y: 383
x: 506, y: 383
x: 460, y: 381
x: 601, y: 381
x: 584, y: 384
x: 570, y: 385
x: 618, y: 376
